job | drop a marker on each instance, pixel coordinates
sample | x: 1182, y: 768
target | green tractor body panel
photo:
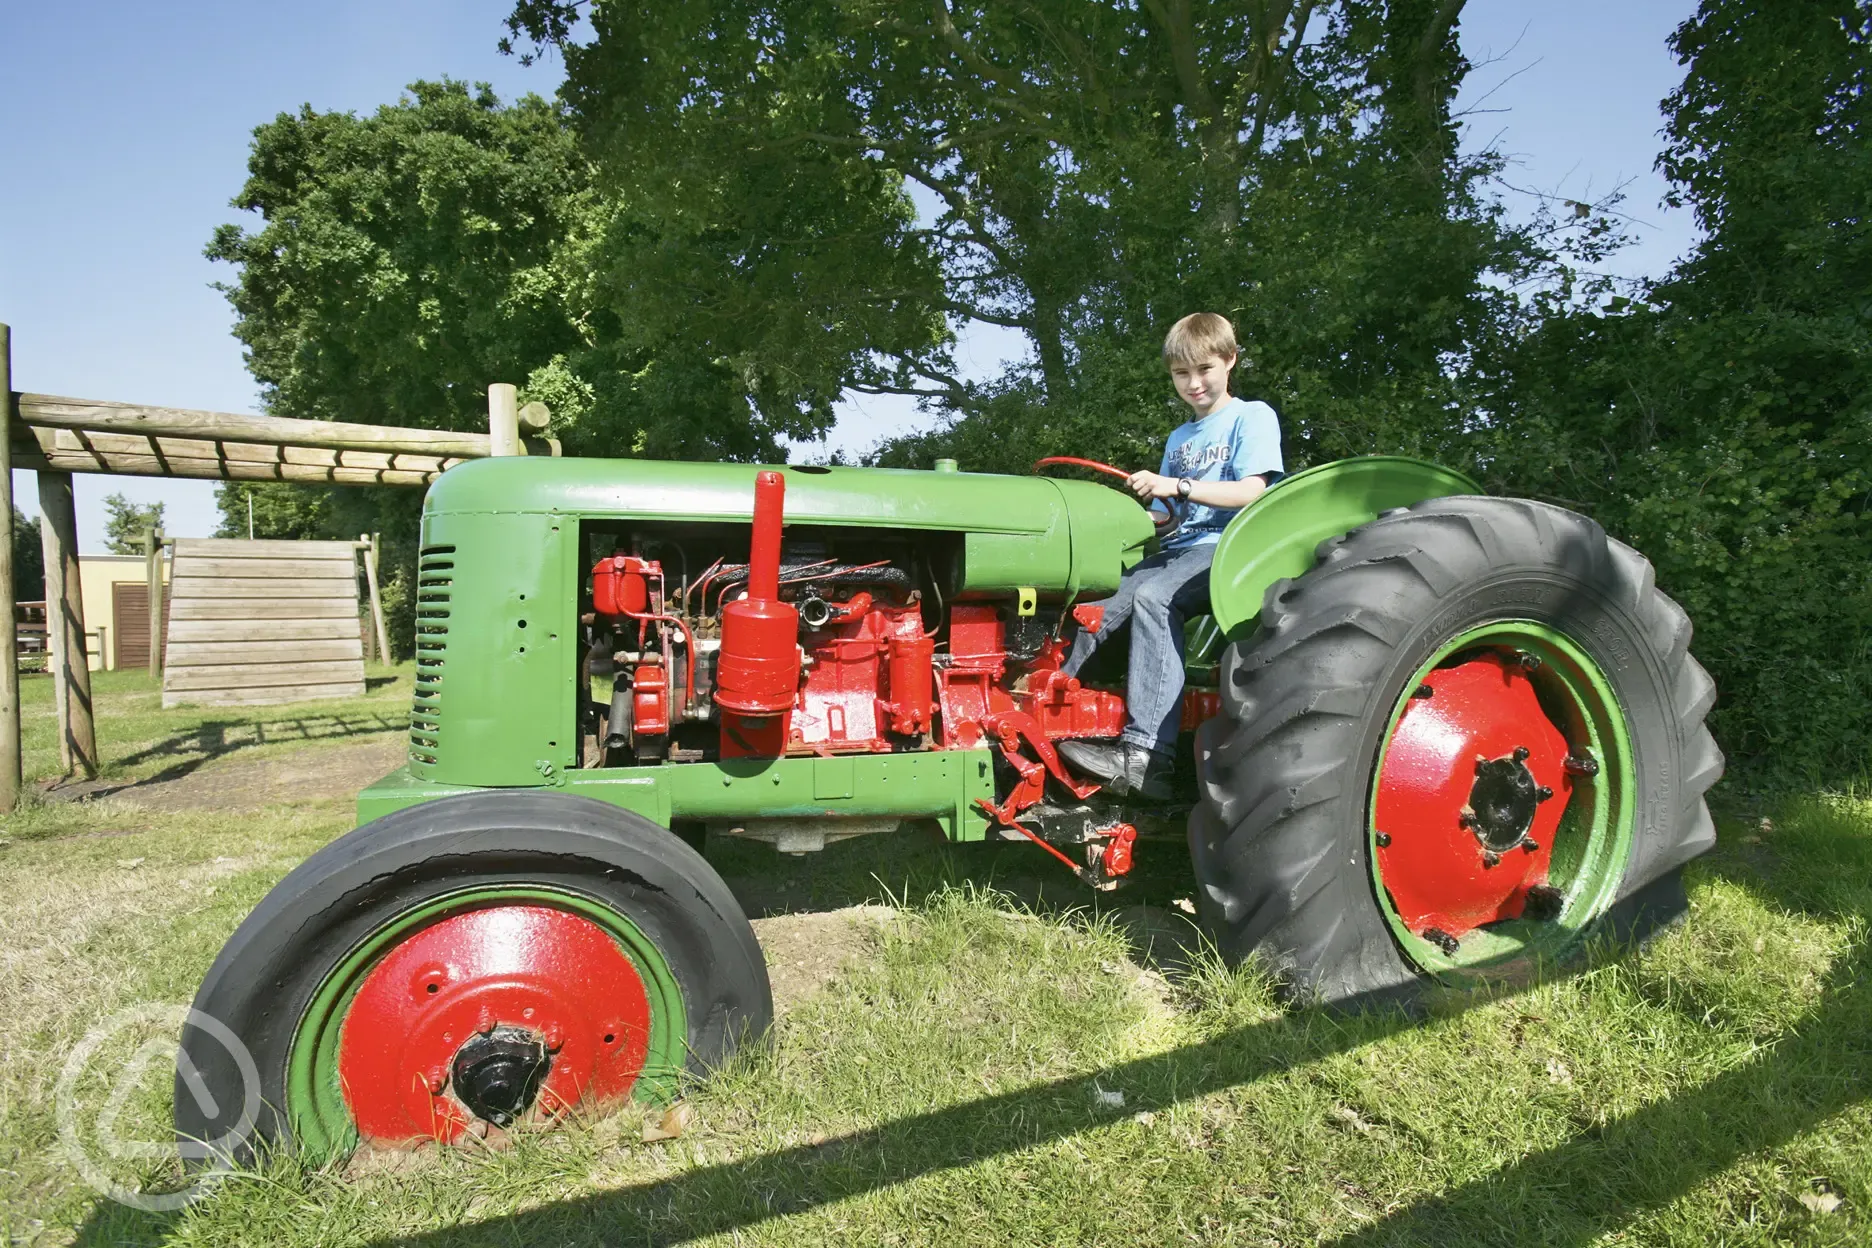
x: 1277, y: 535
x: 503, y: 574
x: 499, y: 581
x: 1060, y: 537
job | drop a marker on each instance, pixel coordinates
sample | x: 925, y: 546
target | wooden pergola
x: 57, y: 437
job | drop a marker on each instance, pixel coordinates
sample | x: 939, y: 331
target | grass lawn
x: 996, y: 1073
x: 138, y: 740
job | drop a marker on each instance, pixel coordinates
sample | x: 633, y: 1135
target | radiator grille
x: 435, y: 581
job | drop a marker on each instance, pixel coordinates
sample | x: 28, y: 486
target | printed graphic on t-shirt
x: 1238, y: 440
x: 1193, y: 461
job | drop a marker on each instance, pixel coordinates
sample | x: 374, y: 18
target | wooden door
x: 130, y: 623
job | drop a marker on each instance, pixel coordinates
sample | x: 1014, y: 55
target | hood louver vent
x: 435, y: 580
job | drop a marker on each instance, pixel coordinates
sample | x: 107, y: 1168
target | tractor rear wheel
x: 1470, y: 736
x: 464, y: 965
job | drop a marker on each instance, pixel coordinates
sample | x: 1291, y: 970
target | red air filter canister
x: 757, y: 671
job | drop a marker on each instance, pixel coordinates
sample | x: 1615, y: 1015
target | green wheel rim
x: 315, y: 1107
x: 1595, y: 837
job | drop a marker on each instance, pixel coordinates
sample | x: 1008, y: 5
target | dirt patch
x: 321, y: 773
x: 806, y: 952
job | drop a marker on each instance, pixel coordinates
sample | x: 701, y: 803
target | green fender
x: 1277, y: 535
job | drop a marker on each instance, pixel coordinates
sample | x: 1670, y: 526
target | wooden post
x: 10, y: 767
x: 153, y: 548
x: 368, y: 543
x: 65, y: 624
x: 504, y: 420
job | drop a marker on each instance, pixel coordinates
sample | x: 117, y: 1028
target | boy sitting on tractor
x: 1213, y: 465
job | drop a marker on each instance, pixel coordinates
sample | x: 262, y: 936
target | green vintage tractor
x: 1432, y: 736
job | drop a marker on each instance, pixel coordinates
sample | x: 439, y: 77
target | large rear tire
x: 463, y: 964
x: 1471, y: 736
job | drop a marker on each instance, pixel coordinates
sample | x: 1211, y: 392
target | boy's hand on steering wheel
x: 1149, y: 485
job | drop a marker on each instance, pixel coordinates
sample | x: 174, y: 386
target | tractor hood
x: 1060, y: 537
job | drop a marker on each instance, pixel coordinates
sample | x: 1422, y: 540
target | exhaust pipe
x: 757, y: 671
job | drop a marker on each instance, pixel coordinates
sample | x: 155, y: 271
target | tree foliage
x: 28, y: 559
x: 411, y: 257
x: 1092, y: 172
x: 737, y: 211
x: 126, y: 524
x: 1723, y: 424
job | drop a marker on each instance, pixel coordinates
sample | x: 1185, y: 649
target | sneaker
x: 1123, y: 767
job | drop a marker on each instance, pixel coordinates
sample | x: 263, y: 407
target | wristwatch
x: 1183, y: 487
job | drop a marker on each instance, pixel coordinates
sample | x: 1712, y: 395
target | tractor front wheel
x: 463, y: 966
x: 1469, y: 736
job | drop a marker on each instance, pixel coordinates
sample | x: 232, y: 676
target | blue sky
x: 124, y: 130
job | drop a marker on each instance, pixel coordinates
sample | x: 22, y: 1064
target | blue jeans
x: 1156, y: 598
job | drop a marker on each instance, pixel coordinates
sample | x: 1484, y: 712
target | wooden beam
x: 65, y: 625
x: 376, y: 599
x: 152, y: 574
x: 40, y: 449
x: 101, y: 445
x: 11, y: 774
x: 504, y: 420
x: 174, y: 422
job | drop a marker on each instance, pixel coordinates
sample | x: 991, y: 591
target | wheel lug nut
x: 1581, y: 764
x: 1490, y: 858
x: 1529, y: 844
x: 1542, y: 793
x: 1528, y: 660
x: 1442, y: 940
x: 438, y: 1079
x: 1521, y: 753
x: 1423, y: 691
x: 1383, y: 839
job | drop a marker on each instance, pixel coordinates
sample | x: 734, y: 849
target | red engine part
x: 621, y: 585
x: 912, y: 675
x: 650, y: 699
x: 1089, y: 615
x: 870, y: 673
x: 1065, y: 708
x: 758, y: 669
x: 1116, y: 859
x: 1198, y: 705
x: 977, y: 639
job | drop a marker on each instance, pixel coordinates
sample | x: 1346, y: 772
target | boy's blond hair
x: 1197, y: 337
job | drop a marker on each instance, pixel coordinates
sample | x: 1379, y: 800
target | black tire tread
x: 1298, y: 695
x: 259, y: 980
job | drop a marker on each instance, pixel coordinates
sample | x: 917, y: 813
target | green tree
x: 1095, y: 171
x: 1723, y: 423
x: 411, y: 257
x: 28, y: 559
x: 126, y: 524
x: 276, y: 509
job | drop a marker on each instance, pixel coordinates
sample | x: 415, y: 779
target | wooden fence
x: 262, y: 622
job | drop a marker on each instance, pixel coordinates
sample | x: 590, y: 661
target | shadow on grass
x: 216, y: 739
x: 1573, y: 1193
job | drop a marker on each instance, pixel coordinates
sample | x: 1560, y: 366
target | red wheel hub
x: 491, y: 1016
x: 1470, y: 797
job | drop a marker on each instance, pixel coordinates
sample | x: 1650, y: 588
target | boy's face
x: 1203, y: 384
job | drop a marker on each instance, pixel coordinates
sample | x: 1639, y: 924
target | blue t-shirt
x: 1238, y: 440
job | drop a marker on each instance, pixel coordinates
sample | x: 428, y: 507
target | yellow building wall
x: 96, y: 575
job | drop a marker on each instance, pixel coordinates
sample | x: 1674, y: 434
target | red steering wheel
x: 1172, y: 518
